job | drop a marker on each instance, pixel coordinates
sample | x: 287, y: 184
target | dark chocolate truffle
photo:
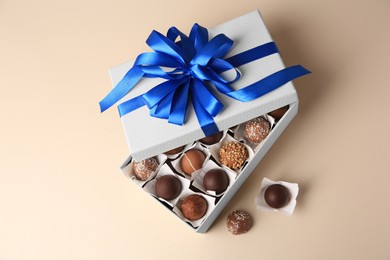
x: 191, y: 161
x: 239, y: 222
x: 278, y: 113
x: 175, y: 151
x: 168, y: 187
x: 277, y: 196
x: 212, y: 139
x: 194, y: 207
x: 233, y: 155
x: 143, y: 169
x: 257, y: 129
x: 216, y: 180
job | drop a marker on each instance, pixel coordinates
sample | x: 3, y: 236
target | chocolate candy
x: 278, y: 113
x: 175, y: 151
x: 168, y: 187
x: 239, y: 222
x: 212, y: 139
x: 143, y: 169
x: 191, y: 161
x: 233, y: 155
x: 194, y: 207
x: 257, y: 129
x: 216, y: 180
x: 277, y: 196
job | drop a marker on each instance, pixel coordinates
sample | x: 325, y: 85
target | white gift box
x: 148, y: 136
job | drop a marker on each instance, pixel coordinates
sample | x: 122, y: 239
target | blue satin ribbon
x: 190, y: 65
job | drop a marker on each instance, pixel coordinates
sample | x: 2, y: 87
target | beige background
x: 62, y: 197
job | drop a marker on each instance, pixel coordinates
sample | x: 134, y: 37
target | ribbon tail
x: 264, y: 85
x: 208, y: 101
x: 206, y: 121
x: 122, y: 88
x: 131, y: 105
x: 179, y: 105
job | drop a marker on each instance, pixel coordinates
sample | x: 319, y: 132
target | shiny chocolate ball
x: 212, y: 139
x: 168, y: 187
x: 277, y: 196
x: 216, y: 180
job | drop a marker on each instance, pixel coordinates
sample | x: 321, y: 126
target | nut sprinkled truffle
x: 257, y: 129
x: 194, y: 207
x: 233, y: 155
x: 175, y: 151
x: 239, y: 222
x: 191, y: 161
x: 143, y: 169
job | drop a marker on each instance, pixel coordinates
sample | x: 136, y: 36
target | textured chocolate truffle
x: 194, y: 207
x: 168, y: 187
x: 239, y: 222
x: 216, y: 180
x: 212, y: 139
x: 277, y: 196
x: 257, y: 129
x: 278, y: 113
x: 175, y: 151
x: 191, y: 161
x: 143, y: 169
x: 233, y: 155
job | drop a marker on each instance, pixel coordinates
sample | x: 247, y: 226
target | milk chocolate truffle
x: 278, y: 113
x: 277, y: 196
x: 233, y: 155
x: 175, y: 151
x: 168, y: 187
x: 257, y: 129
x: 194, y: 207
x: 191, y: 161
x: 212, y: 139
x: 216, y: 180
x: 143, y: 169
x: 239, y: 222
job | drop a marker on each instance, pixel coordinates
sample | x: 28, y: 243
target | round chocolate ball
x: 277, y: 196
x: 194, y: 207
x: 168, y: 187
x: 191, y: 161
x: 175, y: 151
x: 216, y: 180
x: 212, y: 139
x: 145, y: 168
x: 239, y: 222
x: 278, y: 113
x: 257, y: 129
x: 233, y: 155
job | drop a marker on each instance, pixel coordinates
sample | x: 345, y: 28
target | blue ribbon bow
x: 193, y: 62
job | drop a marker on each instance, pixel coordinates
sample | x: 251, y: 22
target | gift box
x: 149, y: 136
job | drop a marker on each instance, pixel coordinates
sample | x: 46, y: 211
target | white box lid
x: 147, y: 136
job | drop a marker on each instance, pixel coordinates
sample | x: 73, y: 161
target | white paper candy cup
x: 176, y: 163
x: 128, y: 170
x: 198, y: 180
x: 196, y: 223
x: 239, y: 133
x: 289, y: 208
x: 166, y: 170
x: 214, y: 150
